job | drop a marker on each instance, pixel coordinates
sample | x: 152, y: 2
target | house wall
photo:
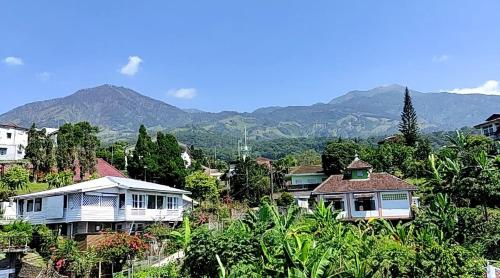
x: 359, y: 174
x: 362, y: 214
x: 307, y: 179
x: 389, y: 204
x: 393, y: 204
x: 14, y: 146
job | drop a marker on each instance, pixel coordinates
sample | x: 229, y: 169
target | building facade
x: 302, y: 180
x: 359, y: 193
x: 491, y: 127
x: 13, y: 142
x: 109, y: 203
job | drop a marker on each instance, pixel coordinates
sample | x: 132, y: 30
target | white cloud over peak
x: 490, y: 87
x: 440, y: 58
x: 183, y: 93
x: 13, y: 61
x: 132, y: 67
x: 44, y: 76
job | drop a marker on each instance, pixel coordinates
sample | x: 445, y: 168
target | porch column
x: 379, y: 203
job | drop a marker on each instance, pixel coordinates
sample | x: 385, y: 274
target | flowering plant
x: 118, y: 247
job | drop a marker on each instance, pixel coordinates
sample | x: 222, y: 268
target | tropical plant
x: 15, y: 178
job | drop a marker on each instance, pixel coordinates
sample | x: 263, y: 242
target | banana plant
x: 183, y: 237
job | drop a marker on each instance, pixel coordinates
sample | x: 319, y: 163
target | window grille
x: 394, y: 197
x: 75, y: 200
x: 91, y: 200
x: 108, y: 201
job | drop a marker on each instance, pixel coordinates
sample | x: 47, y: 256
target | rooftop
x: 376, y: 182
x: 358, y: 164
x: 312, y: 169
x: 491, y: 119
x: 106, y: 182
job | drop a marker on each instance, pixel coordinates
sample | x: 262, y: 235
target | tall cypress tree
x: 143, y: 160
x: 408, y: 125
x: 66, y: 152
x: 39, y: 151
x: 87, y: 143
x: 171, y: 166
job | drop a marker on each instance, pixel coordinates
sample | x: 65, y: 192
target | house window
x: 119, y: 227
x: 65, y: 201
x: 359, y: 174
x: 312, y: 181
x: 338, y: 204
x: 38, y: 204
x: 160, y: 202
x: 138, y: 201
x: 394, y: 197
x: 121, y: 200
x: 9, y: 135
x: 29, y: 206
x: 21, y: 207
x: 172, y: 203
x: 364, y: 203
x: 3, y: 151
x: 151, y: 202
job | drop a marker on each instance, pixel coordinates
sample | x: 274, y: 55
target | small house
x: 359, y: 193
x: 111, y: 203
x: 491, y: 127
x: 302, y: 180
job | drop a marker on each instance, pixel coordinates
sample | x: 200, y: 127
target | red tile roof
x: 358, y: 164
x: 104, y: 169
x: 375, y: 182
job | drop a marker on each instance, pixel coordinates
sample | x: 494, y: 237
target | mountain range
x: 119, y: 111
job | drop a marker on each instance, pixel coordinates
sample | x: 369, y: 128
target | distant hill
x: 119, y: 111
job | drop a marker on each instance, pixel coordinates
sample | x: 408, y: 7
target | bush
x: 285, y: 200
x: 232, y: 246
x: 118, y: 247
x: 17, y: 177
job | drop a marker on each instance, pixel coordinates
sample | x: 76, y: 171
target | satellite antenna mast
x: 245, y: 147
x: 239, y: 148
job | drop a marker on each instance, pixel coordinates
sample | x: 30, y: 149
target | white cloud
x: 44, y: 76
x: 183, y: 93
x: 13, y: 61
x: 132, y: 67
x: 490, y: 87
x: 440, y: 58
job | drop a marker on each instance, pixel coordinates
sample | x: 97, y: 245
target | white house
x: 359, y: 194
x: 491, y: 127
x: 118, y: 204
x: 13, y: 141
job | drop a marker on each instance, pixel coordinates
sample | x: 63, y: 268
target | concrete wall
x: 15, y: 145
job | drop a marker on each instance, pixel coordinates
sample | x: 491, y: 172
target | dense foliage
x: 16, y: 177
x: 158, y: 161
x: 202, y: 186
x: 249, y: 181
x: 39, y: 151
x: 270, y: 244
x: 76, y: 147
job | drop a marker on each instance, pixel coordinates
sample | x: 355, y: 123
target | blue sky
x: 241, y: 55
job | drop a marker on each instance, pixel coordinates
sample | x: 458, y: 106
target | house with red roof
x: 359, y: 193
x: 103, y: 169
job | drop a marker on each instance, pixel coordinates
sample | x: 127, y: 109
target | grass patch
x: 32, y: 188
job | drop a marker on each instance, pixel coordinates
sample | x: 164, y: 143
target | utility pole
x: 271, y: 180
